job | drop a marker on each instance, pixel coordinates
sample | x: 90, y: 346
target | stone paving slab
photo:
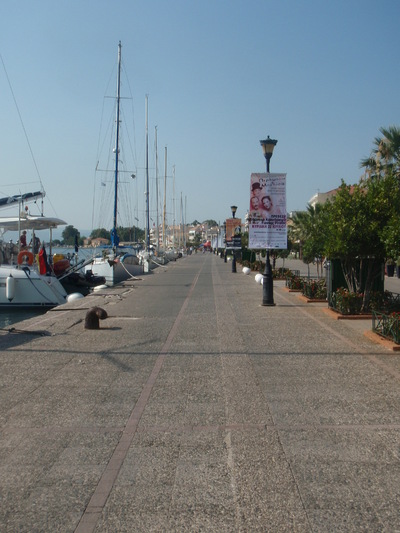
x: 194, y: 408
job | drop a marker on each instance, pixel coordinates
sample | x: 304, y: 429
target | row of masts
x: 147, y: 193
x: 114, y: 236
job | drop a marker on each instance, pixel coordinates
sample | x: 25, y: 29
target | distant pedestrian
x: 35, y: 243
x: 22, y: 240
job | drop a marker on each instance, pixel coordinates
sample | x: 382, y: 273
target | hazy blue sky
x: 320, y: 76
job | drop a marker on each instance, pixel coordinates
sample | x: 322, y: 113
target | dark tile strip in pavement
x: 99, y: 498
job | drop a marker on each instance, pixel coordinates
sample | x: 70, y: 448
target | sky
x: 220, y: 75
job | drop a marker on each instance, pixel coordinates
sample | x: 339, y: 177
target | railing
x: 387, y: 326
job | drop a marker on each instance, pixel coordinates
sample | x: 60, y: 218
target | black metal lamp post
x: 233, y: 209
x: 268, y: 146
x: 225, y: 258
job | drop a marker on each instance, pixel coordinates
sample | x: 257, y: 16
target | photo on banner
x: 267, y: 213
x: 233, y: 233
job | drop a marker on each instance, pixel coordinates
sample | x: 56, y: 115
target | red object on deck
x: 60, y: 266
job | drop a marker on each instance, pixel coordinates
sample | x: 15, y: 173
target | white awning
x: 30, y: 222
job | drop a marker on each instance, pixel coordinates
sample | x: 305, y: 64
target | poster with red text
x: 233, y: 235
x: 267, y: 213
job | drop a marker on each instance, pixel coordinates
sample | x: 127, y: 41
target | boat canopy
x: 29, y: 222
x: 9, y: 200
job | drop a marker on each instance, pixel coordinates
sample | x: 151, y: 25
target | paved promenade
x: 194, y: 408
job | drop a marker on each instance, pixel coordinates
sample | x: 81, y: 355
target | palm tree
x: 308, y: 231
x: 385, y: 156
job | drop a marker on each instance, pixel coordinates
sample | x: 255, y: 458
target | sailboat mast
x: 173, y: 210
x: 147, y: 179
x: 165, y: 199
x: 184, y: 224
x: 157, y: 218
x: 114, y: 236
x: 180, y: 223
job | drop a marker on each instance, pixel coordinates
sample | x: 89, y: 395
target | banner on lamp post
x: 233, y: 233
x: 267, y: 214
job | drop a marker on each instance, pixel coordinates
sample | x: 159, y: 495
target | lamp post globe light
x: 268, y: 146
x: 233, y: 209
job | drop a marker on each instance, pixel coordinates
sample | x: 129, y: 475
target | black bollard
x: 268, y: 283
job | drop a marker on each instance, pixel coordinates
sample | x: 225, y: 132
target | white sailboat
x: 26, y: 281
x: 119, y: 264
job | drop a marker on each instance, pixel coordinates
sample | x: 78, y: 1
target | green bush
x: 294, y: 282
x: 315, y: 289
x: 345, y: 302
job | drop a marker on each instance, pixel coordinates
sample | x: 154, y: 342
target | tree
x: 360, y: 226
x: 69, y: 235
x: 132, y: 234
x: 362, y: 230
x: 388, y: 196
x: 385, y: 156
x: 100, y: 233
x: 210, y: 223
x: 309, y: 229
x: 197, y: 240
x: 245, y: 239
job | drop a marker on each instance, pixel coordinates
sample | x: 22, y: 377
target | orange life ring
x: 24, y: 254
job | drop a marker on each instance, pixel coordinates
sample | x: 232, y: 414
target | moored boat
x: 116, y: 267
x: 118, y: 264
x: 24, y: 286
x: 26, y: 279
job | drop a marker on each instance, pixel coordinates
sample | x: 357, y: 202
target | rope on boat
x: 130, y: 275
x: 159, y: 264
x: 34, y: 286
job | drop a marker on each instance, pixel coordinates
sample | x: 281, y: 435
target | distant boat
x: 26, y: 279
x: 117, y: 264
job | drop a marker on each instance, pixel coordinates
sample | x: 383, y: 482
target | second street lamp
x: 225, y: 258
x: 268, y: 146
x: 233, y: 209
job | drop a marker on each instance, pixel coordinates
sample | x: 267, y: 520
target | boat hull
x: 83, y: 283
x: 29, y: 289
x: 116, y: 270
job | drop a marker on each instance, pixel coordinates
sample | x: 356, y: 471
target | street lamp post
x: 225, y: 258
x: 233, y: 209
x: 268, y: 146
